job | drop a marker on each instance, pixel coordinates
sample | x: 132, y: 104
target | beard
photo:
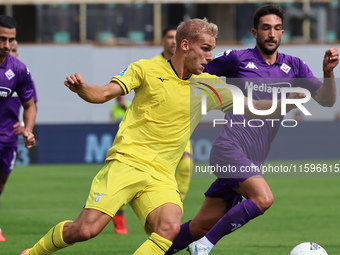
x: 266, y: 50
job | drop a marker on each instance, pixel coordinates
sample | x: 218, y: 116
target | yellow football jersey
x: 157, y: 126
x: 159, y: 57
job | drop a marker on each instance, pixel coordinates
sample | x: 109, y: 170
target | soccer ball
x: 308, y: 248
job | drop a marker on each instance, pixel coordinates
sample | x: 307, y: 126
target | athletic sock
x: 154, y: 245
x: 235, y: 218
x: 205, y: 241
x: 182, y: 240
x: 51, y: 242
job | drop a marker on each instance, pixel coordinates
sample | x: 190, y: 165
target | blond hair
x: 193, y: 28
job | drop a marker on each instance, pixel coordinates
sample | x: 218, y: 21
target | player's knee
x: 168, y: 230
x: 79, y: 233
x: 265, y: 201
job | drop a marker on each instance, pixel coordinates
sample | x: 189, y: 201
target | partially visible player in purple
x: 223, y: 210
x: 15, y: 79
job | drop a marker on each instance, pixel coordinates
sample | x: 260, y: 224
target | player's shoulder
x: 158, y: 57
x: 289, y: 59
x: 150, y: 62
x: 238, y: 54
x: 204, y: 75
x: 16, y: 65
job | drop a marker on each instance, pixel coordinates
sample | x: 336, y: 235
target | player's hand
x: 28, y: 138
x: 18, y: 128
x: 330, y: 60
x: 75, y: 82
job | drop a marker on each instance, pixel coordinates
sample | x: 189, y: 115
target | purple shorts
x: 231, y: 162
x: 7, y: 158
x: 221, y: 189
x: 231, y: 166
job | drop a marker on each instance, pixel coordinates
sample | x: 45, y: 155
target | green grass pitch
x: 39, y: 196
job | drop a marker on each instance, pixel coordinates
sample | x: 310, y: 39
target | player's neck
x: 2, y: 59
x: 179, y: 67
x: 269, y: 58
x: 167, y: 55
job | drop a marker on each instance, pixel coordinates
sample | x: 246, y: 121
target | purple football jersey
x: 14, y: 77
x: 9, y: 117
x: 247, y: 69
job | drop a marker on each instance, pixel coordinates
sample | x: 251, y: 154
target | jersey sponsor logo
x: 4, y: 92
x: 161, y: 79
x: 99, y: 195
x: 123, y: 72
x: 251, y: 65
x: 264, y: 87
x: 286, y: 68
x: 9, y: 74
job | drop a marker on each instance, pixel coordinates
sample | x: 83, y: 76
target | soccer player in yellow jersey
x: 140, y: 166
x: 185, y: 165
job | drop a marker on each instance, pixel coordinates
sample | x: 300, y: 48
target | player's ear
x: 185, y: 45
x: 254, y: 32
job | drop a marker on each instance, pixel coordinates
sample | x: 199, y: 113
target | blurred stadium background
x: 100, y: 38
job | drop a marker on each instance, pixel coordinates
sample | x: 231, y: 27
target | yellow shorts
x: 117, y: 184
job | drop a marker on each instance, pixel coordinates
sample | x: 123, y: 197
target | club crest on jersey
x: 123, y: 72
x: 99, y: 195
x: 9, y: 74
x: 286, y: 68
x: 196, y: 92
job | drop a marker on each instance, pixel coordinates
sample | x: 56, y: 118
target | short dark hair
x: 265, y: 10
x: 7, y: 21
x: 167, y: 29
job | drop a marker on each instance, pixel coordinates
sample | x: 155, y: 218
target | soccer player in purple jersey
x: 223, y: 210
x: 14, y: 78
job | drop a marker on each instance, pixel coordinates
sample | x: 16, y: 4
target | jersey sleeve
x: 306, y: 78
x: 223, y: 64
x: 131, y: 77
x: 24, y: 87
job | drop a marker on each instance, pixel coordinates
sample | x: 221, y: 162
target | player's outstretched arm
x: 326, y: 94
x: 93, y: 93
x: 29, y: 115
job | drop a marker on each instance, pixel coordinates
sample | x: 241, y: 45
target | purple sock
x: 235, y: 218
x: 182, y: 240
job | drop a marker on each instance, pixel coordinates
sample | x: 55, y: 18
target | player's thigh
x: 255, y: 186
x: 212, y: 209
x: 116, y: 184
x: 155, y: 195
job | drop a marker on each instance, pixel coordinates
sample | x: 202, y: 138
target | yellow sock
x: 51, y: 242
x: 183, y: 175
x: 154, y: 245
